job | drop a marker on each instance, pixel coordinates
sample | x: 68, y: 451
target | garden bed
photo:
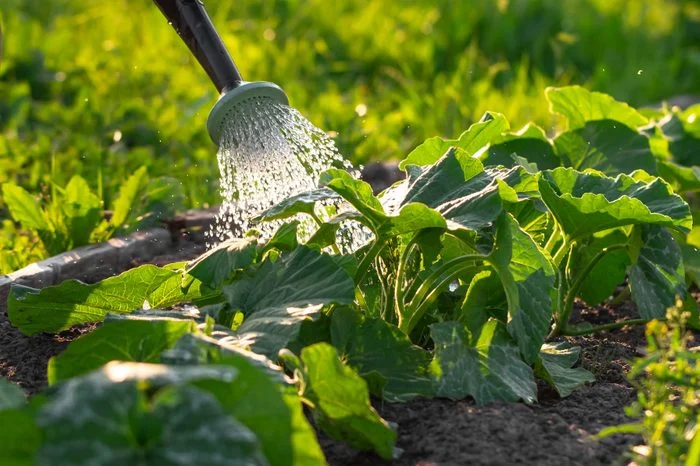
x: 554, y: 431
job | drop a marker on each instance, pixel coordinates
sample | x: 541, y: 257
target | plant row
x: 466, y: 279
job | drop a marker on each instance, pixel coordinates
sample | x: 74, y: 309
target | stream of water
x: 268, y: 152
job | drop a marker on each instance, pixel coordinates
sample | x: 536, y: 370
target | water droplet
x: 639, y: 72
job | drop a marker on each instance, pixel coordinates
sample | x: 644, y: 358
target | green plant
x: 73, y: 216
x: 468, y: 270
x: 667, y: 380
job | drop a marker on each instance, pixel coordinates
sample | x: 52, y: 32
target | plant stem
x: 366, y: 262
x: 399, y: 290
x: 601, y: 328
x: 565, y: 246
x: 553, y: 238
x: 319, y: 222
x: 431, y: 285
x: 572, y: 292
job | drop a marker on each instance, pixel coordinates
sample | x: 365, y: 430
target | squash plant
x: 466, y: 274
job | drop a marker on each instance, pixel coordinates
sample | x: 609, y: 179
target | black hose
x: 193, y: 25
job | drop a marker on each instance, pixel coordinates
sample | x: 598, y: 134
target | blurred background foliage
x: 99, y: 88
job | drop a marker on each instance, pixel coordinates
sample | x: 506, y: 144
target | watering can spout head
x: 193, y: 25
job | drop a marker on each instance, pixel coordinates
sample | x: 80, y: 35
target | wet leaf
x: 218, y: 264
x: 277, y: 297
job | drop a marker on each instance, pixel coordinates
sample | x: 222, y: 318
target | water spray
x: 193, y: 25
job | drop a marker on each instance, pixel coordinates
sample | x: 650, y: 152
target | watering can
x: 193, y: 25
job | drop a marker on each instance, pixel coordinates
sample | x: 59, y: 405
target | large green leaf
x: 57, y: 308
x: 528, y: 279
x: 458, y: 187
x: 11, y: 396
x: 82, y: 210
x: 218, y: 264
x: 340, y: 402
x: 20, y: 437
x: 108, y: 416
x: 488, y: 370
x: 605, y: 145
x: 683, y: 179
x: 24, y: 208
x: 255, y: 399
x: 303, y: 203
x: 579, y: 105
x: 555, y: 365
x: 373, y: 347
x: 484, y: 299
x: 584, y: 203
x: 278, y: 296
x: 471, y: 141
x: 657, y: 277
x: 608, y: 273
x: 530, y: 143
x: 358, y: 193
x: 120, y: 340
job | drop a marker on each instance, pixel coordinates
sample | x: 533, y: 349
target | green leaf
x: 255, y: 399
x: 682, y: 179
x: 11, y: 396
x: 489, y: 370
x: 300, y: 204
x: 340, y: 402
x: 528, y: 279
x: 610, y: 271
x: 24, y: 208
x: 373, y: 346
x: 215, y: 266
x: 584, y: 203
x: 277, y: 297
x: 657, y: 277
x: 476, y: 137
x: 128, y: 197
x: 530, y: 143
x: 284, y: 239
x: 121, y: 340
x: 607, y: 146
x: 412, y: 217
x: 358, y: 193
x: 20, y: 437
x: 579, y: 105
x: 555, y: 366
x: 484, y: 299
x: 82, y: 211
x: 691, y: 262
x: 108, y: 415
x: 58, y: 308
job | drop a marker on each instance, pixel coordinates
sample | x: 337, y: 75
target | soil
x: 554, y: 431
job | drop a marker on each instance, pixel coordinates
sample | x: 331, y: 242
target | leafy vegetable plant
x: 74, y: 215
x: 667, y: 380
x: 459, y: 284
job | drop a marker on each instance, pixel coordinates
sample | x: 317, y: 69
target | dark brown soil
x: 440, y: 432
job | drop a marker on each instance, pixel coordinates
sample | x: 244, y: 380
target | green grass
x: 99, y: 89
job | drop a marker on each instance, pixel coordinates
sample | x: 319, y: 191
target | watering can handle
x: 193, y: 25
